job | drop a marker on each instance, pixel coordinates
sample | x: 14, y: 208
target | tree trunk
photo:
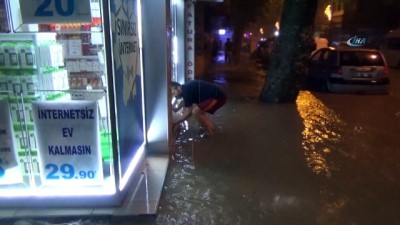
x: 289, y: 57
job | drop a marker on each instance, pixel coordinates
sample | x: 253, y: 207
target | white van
x: 391, y: 48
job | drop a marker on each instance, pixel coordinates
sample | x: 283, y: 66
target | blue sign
x: 357, y: 41
x: 55, y: 11
x: 128, y: 78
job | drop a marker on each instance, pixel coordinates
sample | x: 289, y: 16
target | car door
x: 327, y: 64
x: 314, y: 64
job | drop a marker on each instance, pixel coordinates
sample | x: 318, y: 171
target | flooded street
x: 329, y: 159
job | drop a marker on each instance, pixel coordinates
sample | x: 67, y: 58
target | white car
x: 348, y: 69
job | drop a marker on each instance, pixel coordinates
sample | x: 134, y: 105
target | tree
x: 293, y: 46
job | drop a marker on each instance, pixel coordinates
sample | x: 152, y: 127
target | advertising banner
x: 128, y: 78
x: 8, y: 154
x: 55, y: 11
x: 69, y: 145
x: 190, y: 38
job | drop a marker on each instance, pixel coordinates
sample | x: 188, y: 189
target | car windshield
x: 361, y: 58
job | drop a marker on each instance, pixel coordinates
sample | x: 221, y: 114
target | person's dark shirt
x: 196, y: 91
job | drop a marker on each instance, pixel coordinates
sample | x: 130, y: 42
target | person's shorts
x: 205, y: 105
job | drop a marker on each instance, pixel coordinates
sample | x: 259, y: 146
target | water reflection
x: 220, y: 79
x: 322, y: 128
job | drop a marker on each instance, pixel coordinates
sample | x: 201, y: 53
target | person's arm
x: 187, y: 112
x: 179, y: 106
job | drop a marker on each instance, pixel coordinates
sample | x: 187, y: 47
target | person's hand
x: 175, y: 127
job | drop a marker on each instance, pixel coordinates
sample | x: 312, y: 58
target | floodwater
x: 245, y: 178
x: 328, y: 159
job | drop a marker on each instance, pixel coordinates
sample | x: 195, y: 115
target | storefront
x: 81, y: 108
x: 84, y: 101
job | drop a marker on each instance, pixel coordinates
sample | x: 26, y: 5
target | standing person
x: 228, y: 51
x: 199, y: 97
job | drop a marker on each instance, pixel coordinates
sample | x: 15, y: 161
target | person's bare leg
x: 203, y: 120
x: 206, y: 123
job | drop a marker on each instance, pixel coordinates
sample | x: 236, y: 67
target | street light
x: 328, y: 12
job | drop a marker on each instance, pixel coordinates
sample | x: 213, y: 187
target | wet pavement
x: 328, y: 159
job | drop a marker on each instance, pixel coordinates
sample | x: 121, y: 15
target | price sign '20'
x: 55, y: 11
x: 45, y: 9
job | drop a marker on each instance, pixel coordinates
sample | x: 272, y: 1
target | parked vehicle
x: 391, y: 48
x: 262, y: 54
x: 348, y: 69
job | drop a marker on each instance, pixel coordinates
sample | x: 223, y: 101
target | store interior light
x: 51, y: 191
x: 221, y: 31
x: 11, y: 176
x: 276, y: 33
x: 139, y: 12
x: 155, y: 131
x: 131, y: 168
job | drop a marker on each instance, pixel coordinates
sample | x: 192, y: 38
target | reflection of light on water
x: 320, y: 131
x: 332, y: 209
x: 220, y: 80
x: 190, y: 131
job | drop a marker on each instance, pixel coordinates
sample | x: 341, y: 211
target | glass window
x: 325, y: 56
x: 54, y: 106
x: 361, y: 58
x: 328, y: 57
x: 315, y: 58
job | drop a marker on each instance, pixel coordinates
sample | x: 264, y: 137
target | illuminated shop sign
x: 68, y: 141
x: 55, y: 11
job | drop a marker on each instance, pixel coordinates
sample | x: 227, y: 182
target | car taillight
x: 386, y: 70
x: 338, y: 70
